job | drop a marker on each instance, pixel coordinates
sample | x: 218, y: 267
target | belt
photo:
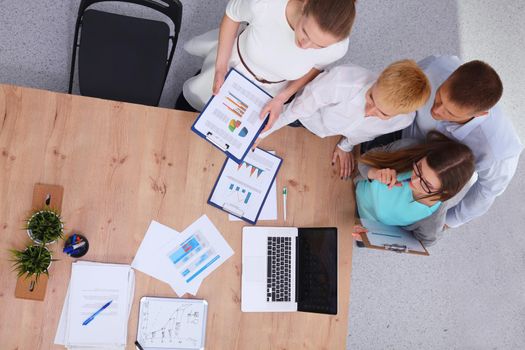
x: 260, y: 80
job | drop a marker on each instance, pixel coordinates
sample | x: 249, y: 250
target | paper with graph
x: 172, y: 323
x: 242, y: 189
x: 195, y: 254
x: 230, y: 120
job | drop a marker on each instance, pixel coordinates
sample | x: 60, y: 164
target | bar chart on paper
x: 193, y: 256
x: 242, y: 188
x: 230, y: 119
x: 242, y: 194
x: 172, y: 323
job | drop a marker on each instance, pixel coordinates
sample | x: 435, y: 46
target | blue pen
x: 90, y: 318
x: 72, y: 248
x: 72, y: 242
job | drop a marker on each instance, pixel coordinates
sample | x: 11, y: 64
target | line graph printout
x: 231, y: 120
x: 172, y: 323
x: 241, y: 189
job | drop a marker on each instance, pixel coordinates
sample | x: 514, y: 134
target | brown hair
x: 452, y: 161
x: 475, y: 85
x: 404, y: 86
x: 332, y: 16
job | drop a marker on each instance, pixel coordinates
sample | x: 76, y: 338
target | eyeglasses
x: 424, y: 184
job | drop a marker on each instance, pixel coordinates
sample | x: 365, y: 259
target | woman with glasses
x: 409, y: 186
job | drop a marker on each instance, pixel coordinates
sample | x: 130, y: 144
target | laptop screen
x: 316, y: 275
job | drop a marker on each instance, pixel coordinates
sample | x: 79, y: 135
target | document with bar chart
x: 241, y: 189
x: 194, y: 254
x: 230, y: 120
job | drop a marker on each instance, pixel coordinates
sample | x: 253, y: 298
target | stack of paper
x: 92, y: 286
x: 184, y: 259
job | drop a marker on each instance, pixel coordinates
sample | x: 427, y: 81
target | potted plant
x: 45, y: 226
x: 32, y: 261
x: 32, y: 266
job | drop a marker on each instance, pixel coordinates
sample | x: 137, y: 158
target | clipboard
x: 236, y: 194
x: 230, y: 120
x: 390, y: 238
x: 172, y: 323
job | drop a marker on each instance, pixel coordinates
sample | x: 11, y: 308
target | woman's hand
x: 358, y: 231
x: 386, y: 176
x: 346, y: 160
x: 274, y: 108
x: 218, y: 80
x: 256, y: 143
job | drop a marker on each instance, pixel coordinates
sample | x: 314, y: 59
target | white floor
x: 470, y: 293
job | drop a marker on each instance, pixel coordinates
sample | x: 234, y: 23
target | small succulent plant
x: 45, y: 226
x: 34, y: 260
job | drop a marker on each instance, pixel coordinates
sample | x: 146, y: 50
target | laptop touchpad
x: 254, y: 268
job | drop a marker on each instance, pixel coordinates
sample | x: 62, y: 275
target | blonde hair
x: 403, y: 86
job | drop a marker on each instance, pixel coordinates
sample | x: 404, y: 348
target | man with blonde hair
x: 357, y: 104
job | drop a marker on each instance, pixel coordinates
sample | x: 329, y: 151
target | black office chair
x: 124, y: 58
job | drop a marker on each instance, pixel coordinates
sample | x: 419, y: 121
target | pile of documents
x: 97, y: 307
x: 183, y: 259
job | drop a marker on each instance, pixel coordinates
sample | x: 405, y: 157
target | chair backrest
x: 170, y: 8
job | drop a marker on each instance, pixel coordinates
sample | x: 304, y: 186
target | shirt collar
x: 460, y: 131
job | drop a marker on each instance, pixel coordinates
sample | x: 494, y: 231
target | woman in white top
x: 286, y: 44
x: 357, y: 104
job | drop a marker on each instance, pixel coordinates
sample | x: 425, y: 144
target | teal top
x: 395, y: 206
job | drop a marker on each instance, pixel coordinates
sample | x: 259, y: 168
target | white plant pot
x: 30, y: 234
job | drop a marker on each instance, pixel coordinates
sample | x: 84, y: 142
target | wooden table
x: 122, y: 165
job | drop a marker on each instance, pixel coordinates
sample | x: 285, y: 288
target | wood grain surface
x: 123, y: 165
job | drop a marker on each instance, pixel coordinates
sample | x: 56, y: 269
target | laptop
x: 287, y: 269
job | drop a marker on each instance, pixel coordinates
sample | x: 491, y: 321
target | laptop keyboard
x: 279, y: 264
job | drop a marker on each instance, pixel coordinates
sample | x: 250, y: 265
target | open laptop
x: 288, y: 269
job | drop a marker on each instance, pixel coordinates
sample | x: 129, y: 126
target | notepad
x: 91, y: 286
x: 172, y: 323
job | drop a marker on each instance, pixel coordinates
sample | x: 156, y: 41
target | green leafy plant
x: 45, y: 226
x: 34, y: 260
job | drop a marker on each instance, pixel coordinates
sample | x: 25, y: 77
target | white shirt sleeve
x: 240, y: 10
x: 353, y: 137
x: 345, y: 144
x: 316, y: 94
x: 490, y: 184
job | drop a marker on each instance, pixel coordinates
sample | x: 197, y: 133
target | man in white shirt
x: 463, y: 106
x: 353, y: 102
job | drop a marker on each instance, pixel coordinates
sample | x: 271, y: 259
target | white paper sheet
x: 92, y: 287
x: 232, y: 116
x: 115, y: 279
x: 198, y: 251
x: 148, y: 258
x: 269, y: 209
x: 241, y: 188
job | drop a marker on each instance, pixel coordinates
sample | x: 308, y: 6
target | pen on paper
x: 285, y: 194
x: 90, y: 318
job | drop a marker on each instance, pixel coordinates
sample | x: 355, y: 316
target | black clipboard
x: 234, y: 120
x: 230, y: 209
